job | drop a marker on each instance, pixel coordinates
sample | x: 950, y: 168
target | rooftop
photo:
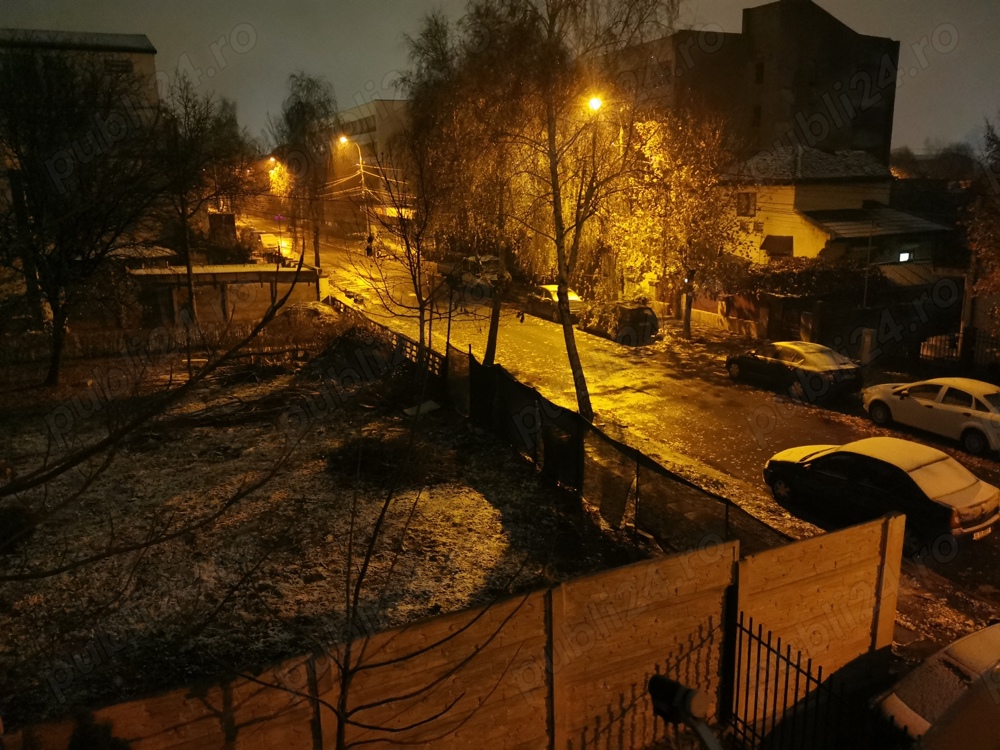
x: 881, y: 221
x: 906, y: 454
x: 803, y: 164
x: 75, y: 40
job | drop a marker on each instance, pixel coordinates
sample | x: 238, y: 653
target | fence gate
x: 780, y: 700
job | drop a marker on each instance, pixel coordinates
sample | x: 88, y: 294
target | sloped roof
x: 804, y: 164
x: 882, y: 221
x: 909, y: 274
x: 75, y: 40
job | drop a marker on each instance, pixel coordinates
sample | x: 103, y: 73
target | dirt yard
x: 215, y: 537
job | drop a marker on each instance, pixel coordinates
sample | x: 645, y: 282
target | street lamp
x: 595, y: 103
x: 364, y: 190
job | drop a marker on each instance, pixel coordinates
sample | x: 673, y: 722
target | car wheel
x: 781, y: 490
x: 734, y: 370
x: 913, y: 542
x: 880, y: 413
x: 975, y: 442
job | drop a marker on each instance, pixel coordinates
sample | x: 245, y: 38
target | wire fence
x: 626, y: 486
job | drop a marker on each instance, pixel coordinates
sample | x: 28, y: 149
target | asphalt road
x: 674, y: 401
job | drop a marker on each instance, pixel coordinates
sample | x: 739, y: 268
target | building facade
x: 794, y: 75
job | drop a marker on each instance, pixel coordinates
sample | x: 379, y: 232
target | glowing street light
x: 595, y: 103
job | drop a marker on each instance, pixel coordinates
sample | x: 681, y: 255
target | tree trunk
x: 579, y: 380
x: 491, y: 338
x: 58, y: 341
x: 33, y: 294
x: 343, y: 697
x: 688, y: 301
x: 583, y: 404
x: 192, y: 316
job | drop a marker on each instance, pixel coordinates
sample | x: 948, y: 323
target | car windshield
x: 825, y: 358
x: 993, y: 399
x: 943, y: 477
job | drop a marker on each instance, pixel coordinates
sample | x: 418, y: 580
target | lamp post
x: 281, y: 252
x: 364, y: 189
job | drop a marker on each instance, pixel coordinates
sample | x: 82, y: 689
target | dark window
x: 886, y: 478
x: 790, y: 356
x: 769, y: 351
x: 118, y: 65
x: 756, y: 116
x: 837, y: 465
x: 955, y: 397
x: 778, y: 246
x: 746, y: 204
x: 759, y: 73
x: 980, y: 406
x: 926, y: 392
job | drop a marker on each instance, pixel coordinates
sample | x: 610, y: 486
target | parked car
x: 871, y: 477
x: 629, y: 323
x: 957, y: 408
x: 807, y: 371
x: 543, y: 302
x: 950, y: 700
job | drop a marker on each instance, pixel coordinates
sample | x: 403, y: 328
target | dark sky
x: 358, y: 46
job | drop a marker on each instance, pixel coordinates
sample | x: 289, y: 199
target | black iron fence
x: 971, y: 351
x: 780, y: 700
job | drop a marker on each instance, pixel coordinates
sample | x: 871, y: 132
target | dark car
x: 629, y: 323
x: 806, y: 371
x: 869, y: 478
x: 543, y: 302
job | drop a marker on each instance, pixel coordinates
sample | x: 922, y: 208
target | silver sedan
x: 957, y: 408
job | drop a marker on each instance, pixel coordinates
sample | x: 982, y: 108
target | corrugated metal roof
x: 856, y: 223
x: 75, y: 40
x: 804, y: 164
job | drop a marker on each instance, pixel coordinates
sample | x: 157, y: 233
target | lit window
x: 903, y: 257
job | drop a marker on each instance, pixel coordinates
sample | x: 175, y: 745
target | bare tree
x: 303, y: 133
x: 206, y: 162
x: 549, y: 79
x: 406, y: 209
x: 76, y: 150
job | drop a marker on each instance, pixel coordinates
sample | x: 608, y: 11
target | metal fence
x: 781, y: 701
x: 973, y: 351
x: 429, y: 361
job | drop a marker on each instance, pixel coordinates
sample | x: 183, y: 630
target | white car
x: 958, y: 408
x: 543, y: 301
x: 950, y: 701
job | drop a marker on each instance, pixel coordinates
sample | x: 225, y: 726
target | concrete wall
x: 559, y: 668
x: 832, y: 597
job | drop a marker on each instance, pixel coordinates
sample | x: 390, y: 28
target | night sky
x: 358, y: 45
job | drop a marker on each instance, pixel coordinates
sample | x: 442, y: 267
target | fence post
x: 887, y: 589
x: 558, y: 738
